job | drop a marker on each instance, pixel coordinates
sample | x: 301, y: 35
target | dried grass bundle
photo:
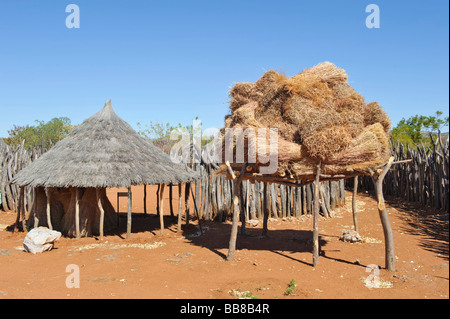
x: 318, y: 117
x: 373, y: 113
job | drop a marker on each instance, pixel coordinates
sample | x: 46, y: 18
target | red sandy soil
x: 191, y: 267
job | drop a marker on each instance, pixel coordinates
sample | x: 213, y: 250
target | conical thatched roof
x: 103, y: 151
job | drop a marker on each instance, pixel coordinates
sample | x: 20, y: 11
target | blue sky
x: 170, y: 61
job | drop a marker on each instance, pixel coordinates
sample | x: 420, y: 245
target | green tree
x: 411, y: 130
x: 43, y: 133
x: 160, y: 133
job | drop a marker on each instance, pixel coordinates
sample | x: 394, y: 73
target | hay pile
x: 319, y: 117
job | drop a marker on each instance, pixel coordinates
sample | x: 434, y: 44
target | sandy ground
x: 188, y: 266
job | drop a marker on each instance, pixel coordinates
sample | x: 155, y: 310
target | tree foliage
x: 160, y: 133
x: 412, y: 130
x: 43, y: 134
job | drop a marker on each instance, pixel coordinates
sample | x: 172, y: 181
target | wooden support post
x: 36, y: 218
x: 19, y: 209
x: 355, y: 192
x: 187, y: 186
x: 273, y: 199
x: 322, y: 201
x: 145, y: 199
x: 157, y: 199
x: 234, y: 226
x: 77, y: 213
x: 101, y: 210
x: 266, y: 204
x: 242, y: 210
x: 316, y: 217
x: 377, y: 178
x: 196, y: 211
x: 48, y: 194
x: 304, y: 205
x: 129, y: 213
x: 180, y: 206
x: 161, y: 209
x: 170, y: 200
x: 23, y: 204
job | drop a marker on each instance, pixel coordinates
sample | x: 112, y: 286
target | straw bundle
x: 319, y: 117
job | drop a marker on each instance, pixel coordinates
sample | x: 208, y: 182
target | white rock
x: 350, y: 236
x: 40, y: 239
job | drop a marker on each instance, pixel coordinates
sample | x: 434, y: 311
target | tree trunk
x: 387, y: 229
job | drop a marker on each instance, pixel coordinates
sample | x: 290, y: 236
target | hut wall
x: 62, y: 207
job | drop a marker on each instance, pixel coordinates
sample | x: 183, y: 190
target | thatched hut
x: 70, y: 180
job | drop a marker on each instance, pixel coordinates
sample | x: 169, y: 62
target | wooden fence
x: 12, y: 160
x: 213, y: 193
x: 213, y: 196
x: 424, y: 181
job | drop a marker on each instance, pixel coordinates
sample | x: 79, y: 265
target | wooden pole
x: 234, y: 226
x: 19, y: 209
x: 266, y: 208
x: 77, y: 213
x: 355, y: 192
x: 101, y: 210
x: 170, y: 200
x: 49, y: 218
x: 242, y: 210
x: 273, y: 199
x: 129, y: 213
x: 187, y: 186
x: 157, y: 198
x: 196, y: 211
x: 145, y: 199
x: 36, y: 218
x: 161, y: 208
x: 377, y: 178
x: 23, y: 204
x: 316, y: 217
x: 180, y: 206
